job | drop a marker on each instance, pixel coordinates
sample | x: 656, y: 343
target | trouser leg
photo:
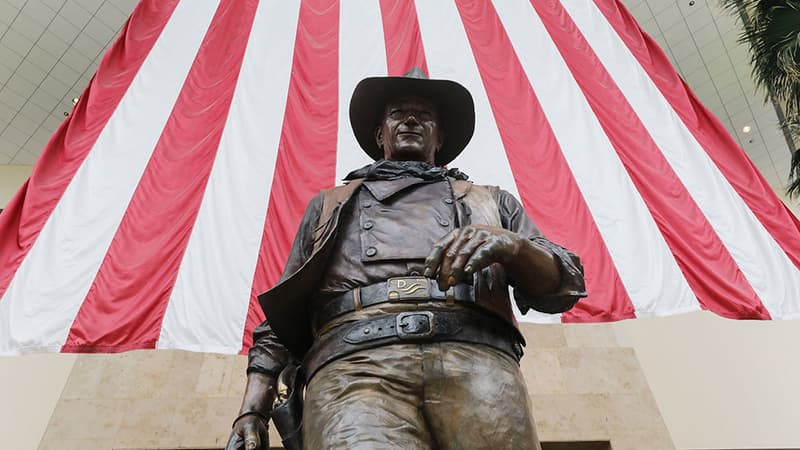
x: 475, y: 398
x: 368, y: 400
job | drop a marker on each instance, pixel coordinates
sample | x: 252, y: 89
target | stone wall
x: 583, y: 387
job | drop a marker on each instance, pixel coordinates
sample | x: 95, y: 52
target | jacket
x: 327, y: 257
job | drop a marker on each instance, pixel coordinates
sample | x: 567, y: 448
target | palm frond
x: 772, y: 31
x: 794, y: 176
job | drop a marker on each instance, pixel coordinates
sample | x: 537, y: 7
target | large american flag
x: 169, y: 198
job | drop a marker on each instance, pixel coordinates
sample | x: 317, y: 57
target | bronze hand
x: 465, y: 251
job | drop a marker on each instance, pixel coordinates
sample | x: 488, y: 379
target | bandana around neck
x: 391, y: 170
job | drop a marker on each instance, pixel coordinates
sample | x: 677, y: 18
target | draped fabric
x: 169, y: 198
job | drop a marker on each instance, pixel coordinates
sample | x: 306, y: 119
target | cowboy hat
x: 453, y: 103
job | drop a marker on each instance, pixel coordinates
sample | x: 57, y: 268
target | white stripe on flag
x: 46, y: 293
x: 765, y: 265
x: 362, y: 53
x: 647, y: 268
x: 209, y: 302
x: 449, y: 56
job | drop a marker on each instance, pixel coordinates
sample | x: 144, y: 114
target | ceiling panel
x: 48, y: 51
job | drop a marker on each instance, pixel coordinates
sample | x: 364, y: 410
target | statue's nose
x: 411, y: 119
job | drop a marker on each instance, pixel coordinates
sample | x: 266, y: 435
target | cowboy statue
x: 394, y: 301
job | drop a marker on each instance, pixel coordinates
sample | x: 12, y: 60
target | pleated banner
x: 170, y: 196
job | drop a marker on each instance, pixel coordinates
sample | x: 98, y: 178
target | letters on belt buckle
x: 401, y: 289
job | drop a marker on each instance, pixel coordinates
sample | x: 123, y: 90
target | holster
x: 287, y: 414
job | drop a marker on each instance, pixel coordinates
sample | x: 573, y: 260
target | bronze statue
x: 395, y: 296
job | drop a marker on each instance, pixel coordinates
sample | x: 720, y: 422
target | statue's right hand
x: 249, y: 433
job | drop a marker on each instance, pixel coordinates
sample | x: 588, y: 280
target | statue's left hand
x: 467, y: 250
x: 249, y: 433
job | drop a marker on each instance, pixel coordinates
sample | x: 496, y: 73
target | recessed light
x: 75, y: 100
x: 746, y: 129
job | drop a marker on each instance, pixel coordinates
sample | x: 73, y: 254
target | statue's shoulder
x: 333, y: 197
x: 342, y: 192
x: 462, y: 188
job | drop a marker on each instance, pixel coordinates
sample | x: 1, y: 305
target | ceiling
x: 701, y: 40
x: 49, y: 50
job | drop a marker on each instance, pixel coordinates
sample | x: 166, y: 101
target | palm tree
x: 772, y: 31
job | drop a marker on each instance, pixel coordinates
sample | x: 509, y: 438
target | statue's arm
x: 268, y: 357
x: 545, y: 276
x: 564, y: 284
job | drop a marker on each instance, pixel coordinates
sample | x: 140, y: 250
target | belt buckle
x: 403, y: 289
x: 415, y: 324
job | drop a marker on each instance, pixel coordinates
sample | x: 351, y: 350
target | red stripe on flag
x: 709, y: 132
x: 707, y: 265
x: 26, y: 214
x: 540, y: 169
x: 306, y: 161
x: 404, y: 49
x: 126, y: 302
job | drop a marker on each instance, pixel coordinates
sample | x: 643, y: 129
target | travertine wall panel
x: 613, y: 371
x: 588, y: 335
x: 542, y: 369
x: 583, y: 386
x: 30, y: 387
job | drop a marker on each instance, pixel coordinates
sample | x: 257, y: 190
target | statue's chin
x: 410, y: 154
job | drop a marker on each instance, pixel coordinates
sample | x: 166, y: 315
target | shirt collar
x: 383, y: 189
x: 391, y: 170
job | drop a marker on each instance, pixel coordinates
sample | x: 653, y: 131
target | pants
x: 444, y: 395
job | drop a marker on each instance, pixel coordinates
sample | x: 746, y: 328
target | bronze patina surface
x: 395, y: 298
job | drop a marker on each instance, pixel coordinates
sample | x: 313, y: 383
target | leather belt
x: 395, y: 290
x: 411, y: 326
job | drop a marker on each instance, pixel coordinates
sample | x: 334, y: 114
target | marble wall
x: 583, y: 387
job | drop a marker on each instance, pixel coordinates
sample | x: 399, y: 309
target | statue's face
x: 410, y: 130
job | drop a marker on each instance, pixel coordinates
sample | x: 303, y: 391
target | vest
x: 287, y: 304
